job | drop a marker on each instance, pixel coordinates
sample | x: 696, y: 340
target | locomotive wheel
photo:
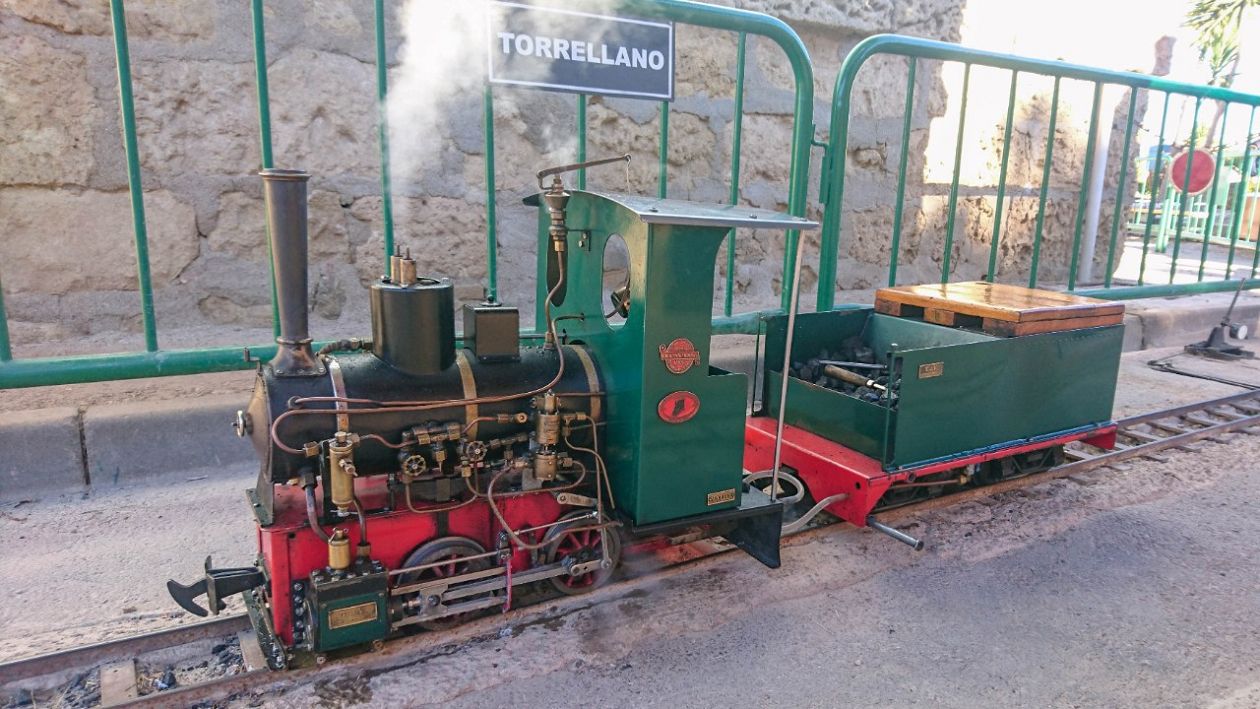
x: 451, y: 550
x: 569, y: 540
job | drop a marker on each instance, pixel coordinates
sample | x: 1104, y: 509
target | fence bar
x: 264, y: 137
x: 1211, y: 206
x: 662, y: 167
x: 127, y: 104
x: 1246, y: 171
x: 737, y: 129
x: 1001, y: 190
x: 1240, y: 202
x: 1165, y: 291
x: 900, y: 204
x: 953, y: 185
x: 1120, y: 193
x: 581, y: 136
x: 382, y: 130
x: 1091, y: 144
x: 1158, y: 175
x: 1185, y: 194
x: 6, y: 352
x: 1045, y: 184
x: 492, y: 226
x: 260, y: 77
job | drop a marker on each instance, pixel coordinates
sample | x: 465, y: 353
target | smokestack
x: 285, y: 194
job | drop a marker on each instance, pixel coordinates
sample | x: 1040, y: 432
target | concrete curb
x: 58, y: 450
x: 43, y: 452
x: 128, y: 443
x: 50, y: 451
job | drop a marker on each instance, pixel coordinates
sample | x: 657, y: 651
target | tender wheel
x: 451, y: 550
x: 569, y: 541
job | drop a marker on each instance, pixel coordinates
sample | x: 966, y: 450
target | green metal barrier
x: 155, y: 362
x: 914, y: 50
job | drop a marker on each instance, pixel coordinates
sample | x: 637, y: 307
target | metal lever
x: 916, y: 544
x: 543, y: 174
x: 216, y: 585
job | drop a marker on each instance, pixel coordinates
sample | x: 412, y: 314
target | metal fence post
x: 6, y: 351
x: 126, y: 103
x: 264, y: 137
x: 737, y: 130
x: 382, y: 129
x: 1097, y: 179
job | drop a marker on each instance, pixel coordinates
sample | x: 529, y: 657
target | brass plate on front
x: 352, y: 615
x: 931, y: 369
x: 721, y: 496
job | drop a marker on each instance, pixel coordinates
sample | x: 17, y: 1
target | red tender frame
x: 828, y: 468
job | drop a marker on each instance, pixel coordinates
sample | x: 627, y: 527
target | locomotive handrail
x: 154, y: 361
x: 914, y: 49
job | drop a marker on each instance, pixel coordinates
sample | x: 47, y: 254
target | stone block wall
x: 66, y: 244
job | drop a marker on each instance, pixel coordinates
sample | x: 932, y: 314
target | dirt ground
x: 1127, y: 587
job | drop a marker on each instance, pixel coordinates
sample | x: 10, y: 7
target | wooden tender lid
x: 999, y: 301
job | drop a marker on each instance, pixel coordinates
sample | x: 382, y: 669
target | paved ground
x: 1135, y: 587
x: 1132, y: 588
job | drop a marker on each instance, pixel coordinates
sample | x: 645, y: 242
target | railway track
x: 1138, y: 436
x: 112, y: 667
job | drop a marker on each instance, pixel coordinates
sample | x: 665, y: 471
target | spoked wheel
x: 570, y: 542
x: 453, y: 551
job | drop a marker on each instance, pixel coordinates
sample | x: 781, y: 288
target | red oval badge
x: 679, y: 355
x: 678, y: 407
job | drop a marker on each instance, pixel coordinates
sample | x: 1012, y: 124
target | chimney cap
x: 273, y: 173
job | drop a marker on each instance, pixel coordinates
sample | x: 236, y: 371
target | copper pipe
x: 311, y: 517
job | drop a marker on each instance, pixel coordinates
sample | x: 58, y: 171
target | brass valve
x: 339, y: 550
x: 341, y: 470
x: 545, y: 465
x: 557, y: 198
x: 402, y: 269
x: 547, y: 420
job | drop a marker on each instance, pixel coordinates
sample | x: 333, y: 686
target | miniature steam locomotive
x: 416, y: 479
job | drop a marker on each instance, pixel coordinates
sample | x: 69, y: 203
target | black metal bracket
x: 755, y: 526
x: 215, y: 586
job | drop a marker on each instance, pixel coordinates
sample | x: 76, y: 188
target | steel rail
x: 40, y: 665
x: 1116, y: 455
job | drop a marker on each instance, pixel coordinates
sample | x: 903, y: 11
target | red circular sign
x: 1202, y: 166
x: 678, y: 406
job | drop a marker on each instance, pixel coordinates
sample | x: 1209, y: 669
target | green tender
x: 991, y: 391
